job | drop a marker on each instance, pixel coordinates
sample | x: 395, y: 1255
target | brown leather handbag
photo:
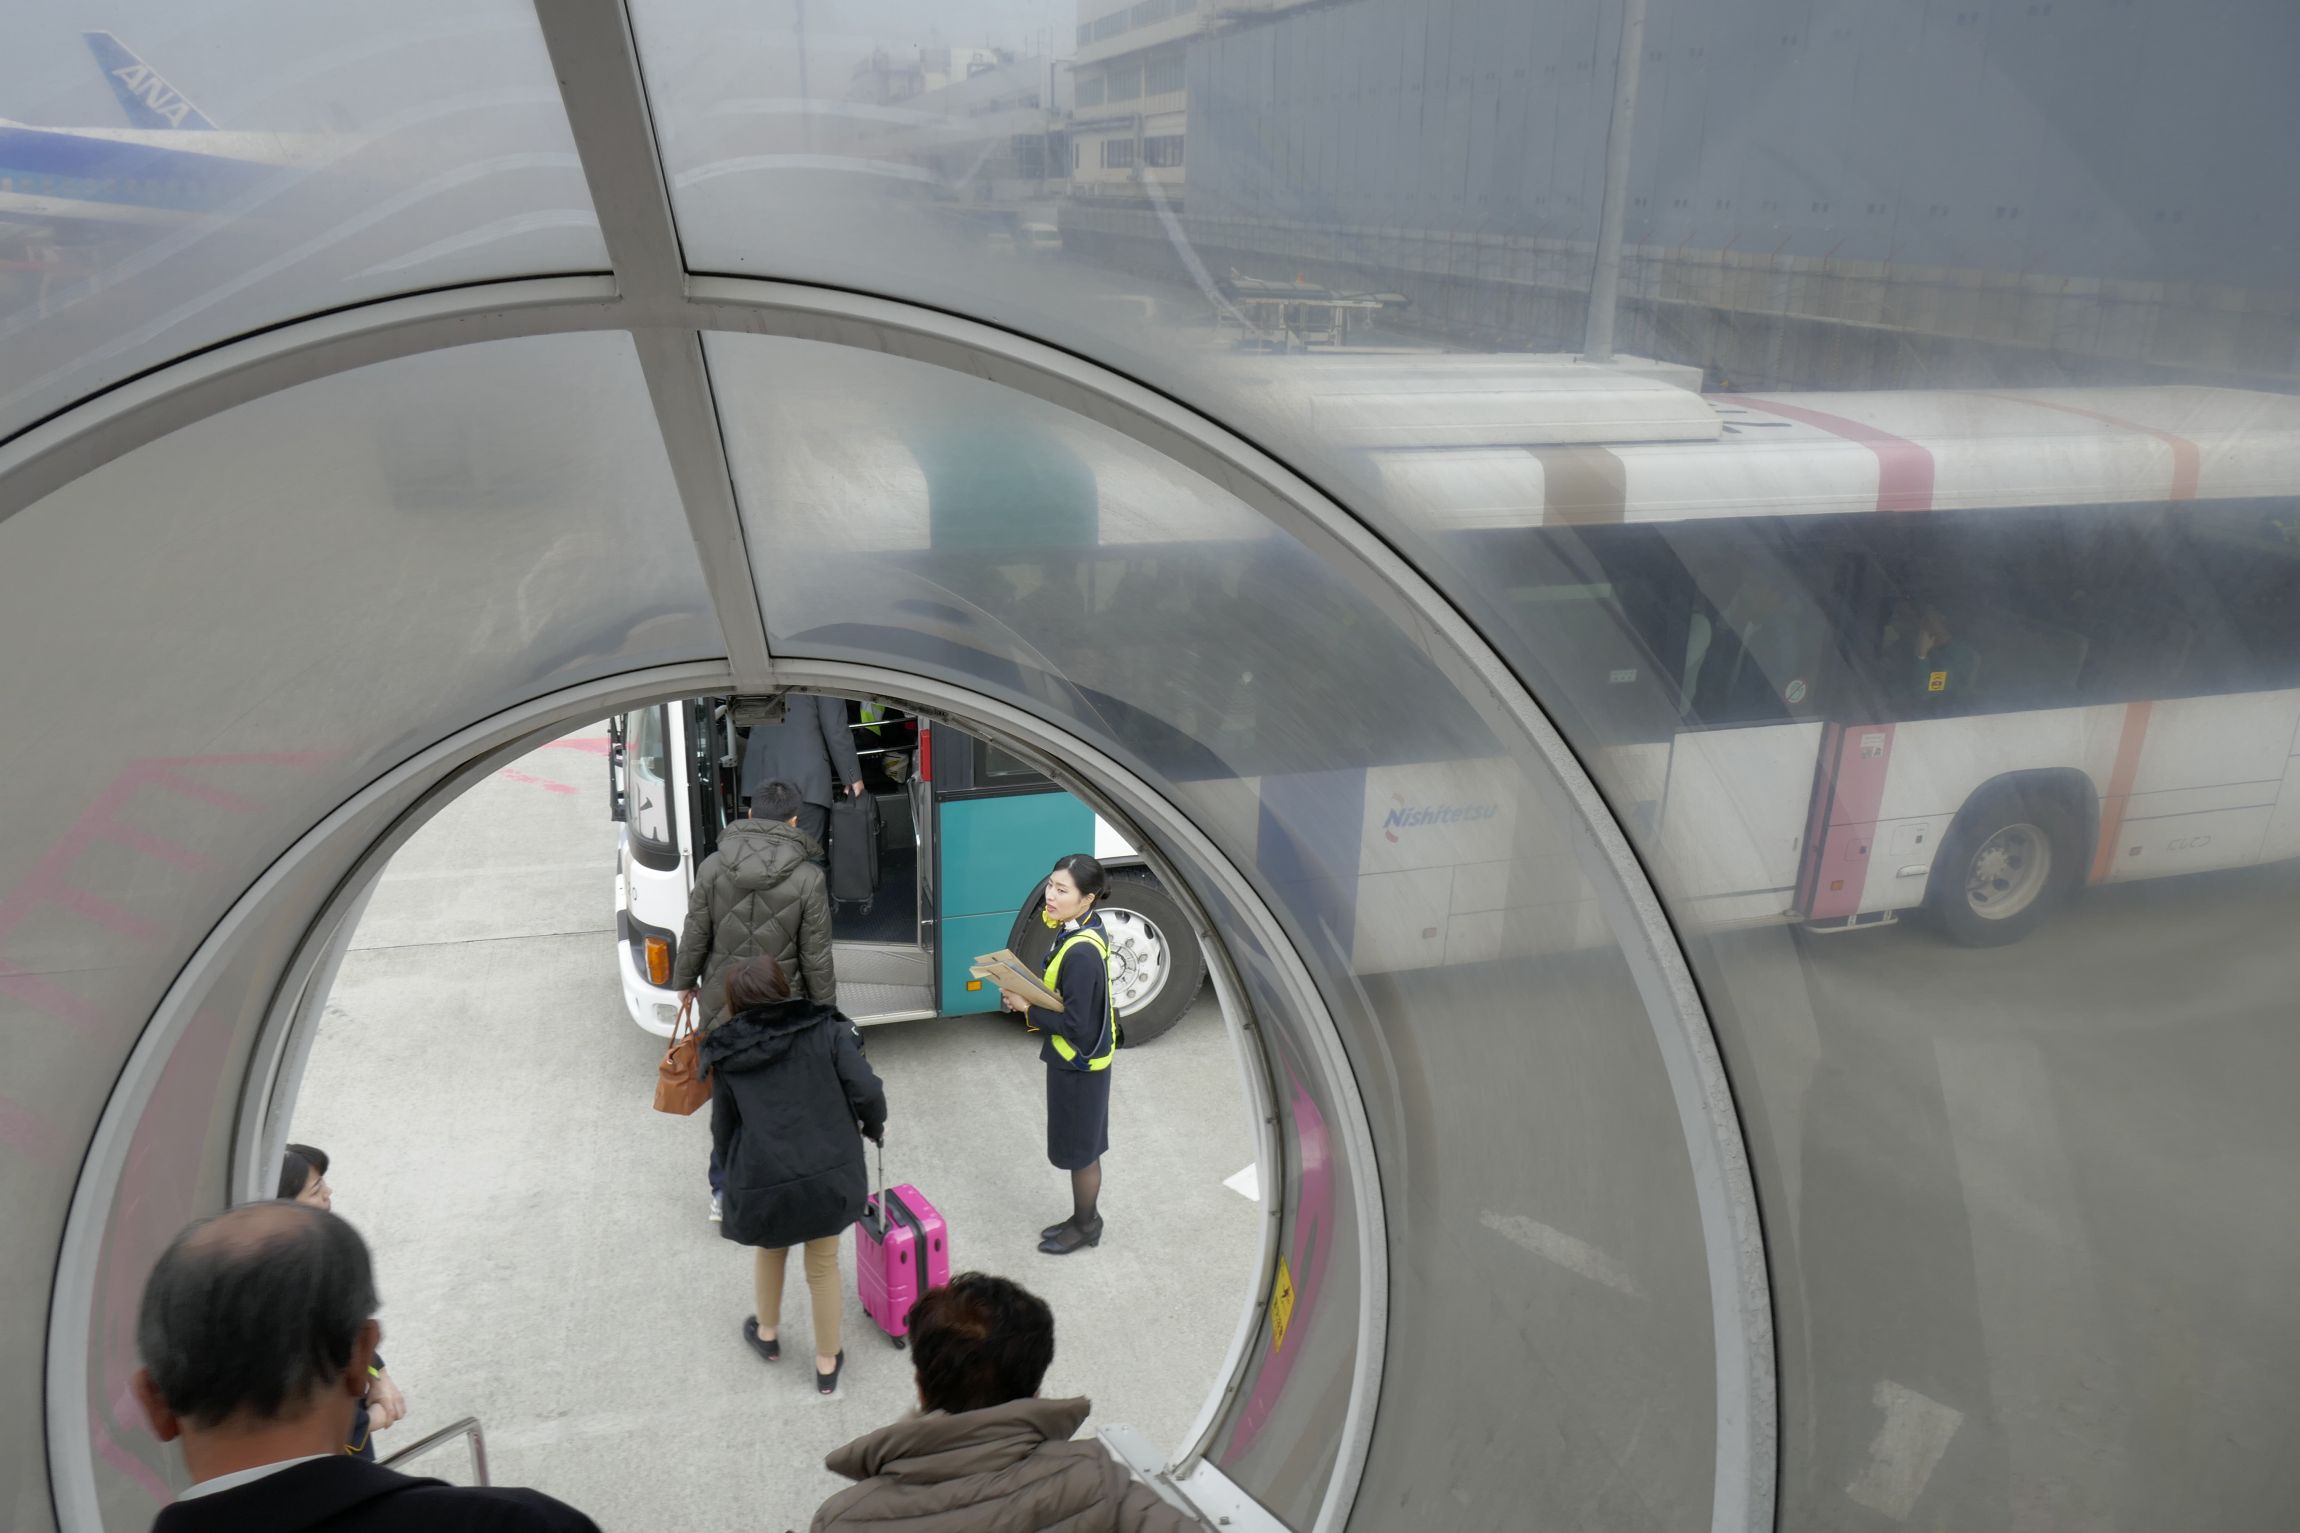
x: 681, y: 1082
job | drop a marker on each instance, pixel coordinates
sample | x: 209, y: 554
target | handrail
x: 467, y: 1427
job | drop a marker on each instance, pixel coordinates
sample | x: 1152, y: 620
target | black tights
x: 1085, y: 1192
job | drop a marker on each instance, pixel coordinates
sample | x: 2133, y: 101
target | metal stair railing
x: 467, y: 1427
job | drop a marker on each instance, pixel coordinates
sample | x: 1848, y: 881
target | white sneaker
x: 718, y: 1206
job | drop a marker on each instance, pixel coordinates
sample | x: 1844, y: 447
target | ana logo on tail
x: 149, y: 101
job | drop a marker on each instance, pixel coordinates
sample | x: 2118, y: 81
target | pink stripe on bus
x: 2187, y: 457
x: 1840, y: 872
x: 1904, y: 468
x: 2129, y: 740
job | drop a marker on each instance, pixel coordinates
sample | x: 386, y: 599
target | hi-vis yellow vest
x: 1109, y: 1039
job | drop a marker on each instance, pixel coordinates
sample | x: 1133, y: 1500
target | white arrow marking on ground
x: 1909, y: 1445
x: 1574, y: 1255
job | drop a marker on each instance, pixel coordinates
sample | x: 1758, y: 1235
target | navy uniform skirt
x: 1077, y: 1116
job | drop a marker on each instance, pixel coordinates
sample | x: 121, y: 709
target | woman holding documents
x: 1081, y: 1041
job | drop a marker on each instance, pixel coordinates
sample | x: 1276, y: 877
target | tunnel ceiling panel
x: 246, y: 620
x: 833, y: 145
x: 194, y: 173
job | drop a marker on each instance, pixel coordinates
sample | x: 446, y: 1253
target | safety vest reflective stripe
x: 1109, y: 1040
x: 872, y: 716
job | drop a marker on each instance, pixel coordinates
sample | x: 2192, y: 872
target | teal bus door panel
x: 961, y: 940
x: 992, y: 852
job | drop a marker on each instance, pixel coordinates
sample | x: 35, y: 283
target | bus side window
x: 1764, y: 654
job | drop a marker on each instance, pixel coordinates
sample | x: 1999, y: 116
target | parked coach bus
x: 1860, y: 655
x: 967, y: 834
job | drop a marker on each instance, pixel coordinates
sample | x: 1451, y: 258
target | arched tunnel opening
x: 527, y: 1193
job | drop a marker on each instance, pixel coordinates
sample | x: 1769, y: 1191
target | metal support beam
x: 597, y: 61
x: 1605, y: 285
x: 679, y: 383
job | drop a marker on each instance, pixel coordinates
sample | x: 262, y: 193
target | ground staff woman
x: 1081, y: 1041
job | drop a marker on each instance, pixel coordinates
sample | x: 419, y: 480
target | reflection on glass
x: 1927, y: 645
x: 196, y: 174
x: 905, y: 516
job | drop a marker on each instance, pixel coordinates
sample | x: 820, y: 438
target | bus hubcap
x: 2008, y: 872
x: 1137, y: 960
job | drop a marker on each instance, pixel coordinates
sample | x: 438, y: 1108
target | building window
x: 1090, y: 89
x: 1165, y: 73
x: 1117, y: 154
x: 1110, y: 25
x: 1184, y: 7
x: 1148, y: 11
x: 1126, y: 82
x: 1077, y: 154
x: 1086, y: 29
x: 1163, y: 151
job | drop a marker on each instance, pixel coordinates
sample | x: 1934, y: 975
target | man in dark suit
x: 256, y: 1332
x: 804, y: 750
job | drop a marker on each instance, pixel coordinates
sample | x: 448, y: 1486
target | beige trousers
x: 822, y: 1287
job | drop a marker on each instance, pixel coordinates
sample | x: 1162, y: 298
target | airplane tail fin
x: 149, y: 101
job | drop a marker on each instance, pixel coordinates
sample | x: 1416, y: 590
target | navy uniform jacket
x: 803, y: 750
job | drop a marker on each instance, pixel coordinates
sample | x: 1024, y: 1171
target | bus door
x: 999, y: 824
x: 925, y: 840
x: 1754, y: 674
x: 712, y: 771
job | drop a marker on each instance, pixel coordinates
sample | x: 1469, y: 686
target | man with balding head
x: 256, y: 1331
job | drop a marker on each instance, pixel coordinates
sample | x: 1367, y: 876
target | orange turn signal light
x: 658, y: 961
x: 974, y: 984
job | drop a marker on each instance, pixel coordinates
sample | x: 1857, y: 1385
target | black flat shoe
x: 828, y: 1383
x: 768, y: 1347
x: 1072, y: 1237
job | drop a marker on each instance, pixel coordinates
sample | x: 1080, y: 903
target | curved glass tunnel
x: 1832, y: 761
x: 1234, y: 714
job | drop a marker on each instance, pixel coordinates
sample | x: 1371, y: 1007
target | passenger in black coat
x: 791, y: 1100
x: 342, y: 1494
x: 257, y: 1330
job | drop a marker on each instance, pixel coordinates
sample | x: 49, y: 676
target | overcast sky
x: 316, y: 64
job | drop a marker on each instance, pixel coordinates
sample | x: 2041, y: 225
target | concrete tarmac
x: 540, y: 1232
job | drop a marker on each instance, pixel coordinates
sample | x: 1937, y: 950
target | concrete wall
x: 1823, y: 192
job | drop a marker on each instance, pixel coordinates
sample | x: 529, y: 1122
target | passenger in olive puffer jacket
x: 985, y: 1452
x: 760, y: 895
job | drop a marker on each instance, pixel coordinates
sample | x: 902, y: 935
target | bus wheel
x: 1156, y: 968
x: 2003, y: 868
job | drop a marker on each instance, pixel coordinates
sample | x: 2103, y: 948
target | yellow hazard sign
x: 1281, y: 1306
x: 1938, y: 681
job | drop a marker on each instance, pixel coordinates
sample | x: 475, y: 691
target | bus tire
x: 1137, y: 912
x: 2004, y: 868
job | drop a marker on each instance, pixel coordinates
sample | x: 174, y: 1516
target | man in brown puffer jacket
x: 760, y: 895
x: 985, y: 1452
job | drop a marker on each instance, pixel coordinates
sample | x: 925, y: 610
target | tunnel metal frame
x: 279, y: 359
x: 257, y: 366
x: 667, y: 310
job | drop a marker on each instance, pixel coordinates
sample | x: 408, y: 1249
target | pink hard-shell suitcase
x: 902, y: 1248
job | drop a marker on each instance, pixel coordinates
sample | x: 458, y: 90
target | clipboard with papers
x: 1006, y: 971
